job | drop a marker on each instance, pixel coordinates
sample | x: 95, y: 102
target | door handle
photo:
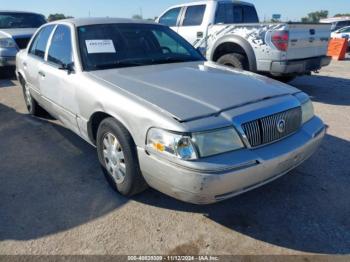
x: 24, y: 64
x: 42, y: 74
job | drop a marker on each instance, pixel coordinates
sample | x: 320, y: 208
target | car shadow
x: 50, y: 179
x: 325, y: 89
x: 307, y: 210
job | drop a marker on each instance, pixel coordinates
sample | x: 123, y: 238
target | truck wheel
x: 32, y: 106
x: 118, y: 158
x: 234, y: 60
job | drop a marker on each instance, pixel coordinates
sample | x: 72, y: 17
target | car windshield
x: 126, y: 45
x: 344, y: 30
x: 21, y: 20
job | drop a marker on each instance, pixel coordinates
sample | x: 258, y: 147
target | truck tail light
x: 280, y: 39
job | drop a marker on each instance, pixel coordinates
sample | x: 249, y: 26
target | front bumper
x: 298, y: 67
x: 234, y: 173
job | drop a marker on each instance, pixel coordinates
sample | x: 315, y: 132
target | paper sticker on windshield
x: 100, y: 46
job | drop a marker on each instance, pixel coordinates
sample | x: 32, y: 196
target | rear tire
x: 234, y: 60
x: 118, y: 158
x: 32, y: 106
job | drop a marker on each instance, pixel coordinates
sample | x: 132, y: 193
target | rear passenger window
x: 238, y: 14
x: 194, y: 15
x: 228, y: 13
x: 39, y: 44
x: 60, y: 51
x: 170, y: 17
x: 250, y: 14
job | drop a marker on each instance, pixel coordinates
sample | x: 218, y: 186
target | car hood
x: 17, y: 32
x: 193, y: 90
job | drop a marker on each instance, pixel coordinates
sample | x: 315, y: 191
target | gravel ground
x: 54, y: 199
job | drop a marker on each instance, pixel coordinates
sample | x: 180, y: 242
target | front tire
x: 234, y: 60
x: 118, y: 158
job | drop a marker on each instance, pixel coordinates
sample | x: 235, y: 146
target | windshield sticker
x: 100, y: 46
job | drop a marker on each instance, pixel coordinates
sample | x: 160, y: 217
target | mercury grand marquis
x: 160, y: 115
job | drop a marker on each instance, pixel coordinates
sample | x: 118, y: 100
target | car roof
x: 335, y: 19
x: 19, y: 12
x: 101, y: 20
x: 208, y: 1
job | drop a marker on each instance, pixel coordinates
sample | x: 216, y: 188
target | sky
x: 290, y: 10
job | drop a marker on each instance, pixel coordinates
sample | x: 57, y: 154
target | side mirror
x: 67, y: 67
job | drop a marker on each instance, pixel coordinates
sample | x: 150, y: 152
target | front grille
x: 22, y: 42
x: 267, y: 130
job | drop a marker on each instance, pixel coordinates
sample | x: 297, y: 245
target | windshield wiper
x: 117, y: 64
x: 132, y: 62
x: 170, y: 59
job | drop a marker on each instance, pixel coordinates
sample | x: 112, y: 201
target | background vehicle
x: 337, y: 22
x: 16, y: 29
x: 159, y: 114
x: 229, y: 32
x: 342, y: 33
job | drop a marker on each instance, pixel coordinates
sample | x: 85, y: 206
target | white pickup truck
x: 229, y: 32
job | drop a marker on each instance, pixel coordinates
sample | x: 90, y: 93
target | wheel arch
x: 97, y: 118
x: 21, y: 77
x: 234, y: 44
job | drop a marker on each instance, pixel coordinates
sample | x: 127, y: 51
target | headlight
x: 307, y: 111
x: 171, y: 144
x: 217, y: 142
x: 189, y: 147
x: 7, y: 43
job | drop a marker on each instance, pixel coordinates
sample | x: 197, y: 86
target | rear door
x: 308, y: 40
x: 171, y: 18
x: 192, y: 26
x: 35, y: 58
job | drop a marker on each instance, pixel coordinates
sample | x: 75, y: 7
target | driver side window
x: 60, y: 51
x: 170, y: 17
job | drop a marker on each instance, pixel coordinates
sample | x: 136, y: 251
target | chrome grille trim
x: 264, y: 130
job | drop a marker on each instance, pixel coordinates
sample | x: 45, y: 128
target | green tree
x: 315, y: 17
x: 55, y: 17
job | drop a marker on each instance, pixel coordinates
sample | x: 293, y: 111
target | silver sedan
x: 160, y: 115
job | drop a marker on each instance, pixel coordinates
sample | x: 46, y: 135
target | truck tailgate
x: 307, y: 40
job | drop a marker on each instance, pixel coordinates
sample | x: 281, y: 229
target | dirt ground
x: 54, y: 198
